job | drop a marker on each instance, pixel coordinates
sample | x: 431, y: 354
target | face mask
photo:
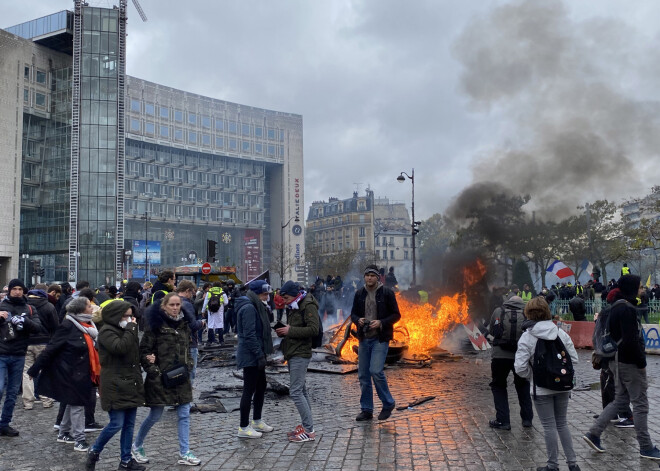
x: 123, y: 324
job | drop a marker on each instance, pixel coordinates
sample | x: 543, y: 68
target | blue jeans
x: 123, y: 420
x: 183, y: 414
x: 371, y: 362
x: 298, y: 390
x: 11, y: 368
x: 194, y: 353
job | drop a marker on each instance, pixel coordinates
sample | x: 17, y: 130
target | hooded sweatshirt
x: 514, y: 302
x: 545, y: 330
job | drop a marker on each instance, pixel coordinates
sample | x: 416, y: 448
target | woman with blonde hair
x: 551, y: 406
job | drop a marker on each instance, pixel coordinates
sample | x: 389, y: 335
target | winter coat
x: 253, y: 329
x: 64, y: 367
x: 387, y: 311
x: 12, y: 340
x: 47, y: 316
x: 626, y: 327
x: 578, y: 308
x: 159, y: 291
x: 511, y: 303
x: 545, y: 330
x: 169, y: 340
x: 303, y: 326
x: 119, y: 352
x: 195, y: 324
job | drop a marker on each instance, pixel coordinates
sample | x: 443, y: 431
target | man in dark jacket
x: 122, y: 390
x: 17, y: 322
x: 630, y: 363
x: 38, y: 299
x: 578, y: 308
x: 186, y: 291
x: 374, y: 312
x: 254, y: 344
x: 164, y: 285
x: 303, y: 324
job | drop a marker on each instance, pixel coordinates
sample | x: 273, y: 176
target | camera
x: 365, y: 328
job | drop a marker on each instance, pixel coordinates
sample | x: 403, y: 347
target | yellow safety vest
x: 526, y: 296
x: 423, y: 296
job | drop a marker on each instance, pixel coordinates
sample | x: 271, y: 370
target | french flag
x: 560, y: 269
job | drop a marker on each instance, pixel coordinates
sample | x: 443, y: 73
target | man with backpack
x: 214, y: 308
x: 625, y: 330
x: 298, y: 335
x: 374, y: 312
x: 505, y: 330
x: 629, y: 362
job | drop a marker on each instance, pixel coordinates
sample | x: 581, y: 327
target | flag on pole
x: 560, y: 269
x: 587, y: 266
x: 648, y: 282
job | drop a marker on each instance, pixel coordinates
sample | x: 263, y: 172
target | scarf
x: 83, y: 323
x: 294, y: 304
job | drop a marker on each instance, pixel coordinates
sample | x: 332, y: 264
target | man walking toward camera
x: 374, y: 312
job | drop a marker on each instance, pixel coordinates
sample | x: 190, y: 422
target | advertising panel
x: 140, y: 251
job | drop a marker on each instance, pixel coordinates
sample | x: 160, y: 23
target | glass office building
x: 112, y: 163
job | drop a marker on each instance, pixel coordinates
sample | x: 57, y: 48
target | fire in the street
x: 422, y: 326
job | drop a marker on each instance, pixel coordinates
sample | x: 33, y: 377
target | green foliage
x: 521, y: 275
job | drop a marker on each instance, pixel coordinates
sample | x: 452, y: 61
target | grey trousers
x: 551, y: 411
x: 298, y: 390
x: 73, y: 422
x: 630, y: 387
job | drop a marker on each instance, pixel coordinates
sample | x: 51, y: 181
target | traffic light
x: 42, y: 272
x: 414, y: 226
x: 210, y: 250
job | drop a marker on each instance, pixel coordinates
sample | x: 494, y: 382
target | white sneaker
x: 189, y: 459
x: 261, y: 426
x: 138, y: 454
x: 248, y: 432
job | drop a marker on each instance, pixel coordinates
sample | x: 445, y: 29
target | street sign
x: 206, y: 268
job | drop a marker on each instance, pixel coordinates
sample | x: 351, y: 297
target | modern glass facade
x: 97, y: 175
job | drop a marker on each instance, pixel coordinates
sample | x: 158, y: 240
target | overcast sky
x: 461, y: 91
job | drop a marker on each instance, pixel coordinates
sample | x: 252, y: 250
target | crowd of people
x: 137, y: 346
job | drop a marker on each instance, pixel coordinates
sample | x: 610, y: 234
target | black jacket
x: 47, y: 316
x: 12, y: 340
x: 626, y: 326
x: 578, y: 308
x: 63, y: 367
x: 387, y: 311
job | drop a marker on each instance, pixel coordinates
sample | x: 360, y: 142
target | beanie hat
x: 291, y: 288
x: 259, y: 287
x: 629, y: 284
x: 16, y: 283
x: 371, y: 269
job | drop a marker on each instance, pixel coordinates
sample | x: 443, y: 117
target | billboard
x: 140, y: 251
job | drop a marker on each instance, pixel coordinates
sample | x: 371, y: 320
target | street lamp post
x: 26, y: 257
x: 282, y: 248
x: 401, y: 178
x: 128, y: 254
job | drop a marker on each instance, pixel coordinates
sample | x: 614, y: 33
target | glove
x: 261, y: 363
x: 17, y: 320
x: 33, y: 372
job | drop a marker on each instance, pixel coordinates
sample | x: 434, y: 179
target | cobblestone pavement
x: 448, y: 433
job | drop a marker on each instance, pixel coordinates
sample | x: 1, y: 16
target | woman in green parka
x: 121, y: 388
x: 166, y: 344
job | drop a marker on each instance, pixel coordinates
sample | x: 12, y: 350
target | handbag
x: 175, y: 375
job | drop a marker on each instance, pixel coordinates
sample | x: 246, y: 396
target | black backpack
x: 604, y: 345
x: 214, y: 303
x: 507, y: 329
x: 552, y: 366
x: 317, y: 340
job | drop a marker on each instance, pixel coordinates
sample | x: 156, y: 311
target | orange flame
x: 422, y: 326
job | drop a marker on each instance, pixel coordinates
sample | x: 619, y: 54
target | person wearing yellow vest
x: 526, y: 294
x: 625, y: 270
x: 423, y: 296
x: 214, y: 308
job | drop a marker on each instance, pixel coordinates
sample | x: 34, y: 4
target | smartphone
x: 278, y: 325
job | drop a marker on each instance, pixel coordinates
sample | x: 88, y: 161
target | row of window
x: 192, y: 177
x: 147, y: 189
x: 35, y: 75
x: 208, y: 122
x: 38, y: 99
x: 167, y: 155
x: 164, y: 210
x: 338, y: 220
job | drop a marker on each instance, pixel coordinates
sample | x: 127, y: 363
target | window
x: 219, y: 125
x: 232, y: 127
x: 405, y: 242
x: 405, y: 255
x: 271, y: 150
x: 192, y: 118
x: 219, y: 142
x: 258, y: 131
x: 245, y: 129
x: 178, y: 116
x: 206, y: 140
x: 135, y: 125
x: 206, y: 122
x: 26, y: 95
x: 362, y: 218
x: 177, y: 175
x: 362, y: 232
x: 258, y: 148
x: 150, y: 128
x: 150, y: 109
x: 26, y: 72
x: 164, y: 112
x: 391, y: 254
x: 41, y: 77
x: 271, y: 134
x: 246, y: 146
x: 165, y: 131
x: 192, y: 137
x: 384, y: 254
x: 281, y: 135
x: 233, y: 144
x: 363, y: 244
x: 148, y: 171
x: 178, y: 134
x: 40, y: 99
x: 135, y: 105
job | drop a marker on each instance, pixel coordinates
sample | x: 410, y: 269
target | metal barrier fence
x: 560, y: 307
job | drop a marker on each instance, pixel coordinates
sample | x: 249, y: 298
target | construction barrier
x: 581, y: 333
